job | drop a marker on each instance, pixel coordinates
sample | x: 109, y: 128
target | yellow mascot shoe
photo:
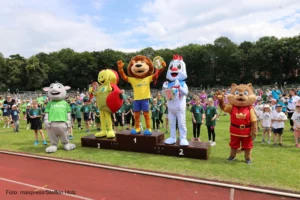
x: 111, y: 134
x: 101, y: 134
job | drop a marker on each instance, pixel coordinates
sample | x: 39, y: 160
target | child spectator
x: 296, y: 120
x: 78, y: 114
x: 28, y: 108
x: 128, y: 113
x: 155, y: 114
x: 73, y: 110
x: 14, y: 117
x: 166, y: 116
x: 265, y: 118
x: 197, y: 116
x: 119, y: 119
x: 35, y: 115
x: 6, y: 116
x: 278, y: 118
x: 23, y: 108
x: 210, y: 116
x: 161, y: 110
x: 258, y: 111
x: 86, y: 112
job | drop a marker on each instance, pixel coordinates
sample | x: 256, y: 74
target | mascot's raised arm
x: 109, y: 100
x: 141, y: 72
x: 243, y: 126
x: 58, y: 117
x: 175, y: 91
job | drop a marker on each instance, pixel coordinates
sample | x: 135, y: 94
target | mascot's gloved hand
x: 120, y: 64
x: 165, y: 85
x: 219, y: 95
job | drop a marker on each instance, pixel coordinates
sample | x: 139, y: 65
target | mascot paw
x: 51, y: 149
x: 111, y: 134
x: 147, y: 132
x: 170, y: 140
x: 101, y: 134
x: 135, y: 131
x: 184, y: 142
x: 69, y: 146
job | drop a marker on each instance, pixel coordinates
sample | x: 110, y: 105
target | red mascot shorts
x: 237, y: 142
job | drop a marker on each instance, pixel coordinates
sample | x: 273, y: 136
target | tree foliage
x: 266, y: 61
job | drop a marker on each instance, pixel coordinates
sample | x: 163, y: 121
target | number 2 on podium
x: 98, y: 145
x: 181, y: 152
x: 134, y: 140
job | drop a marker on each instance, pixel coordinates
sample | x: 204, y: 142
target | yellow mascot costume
x: 109, y: 99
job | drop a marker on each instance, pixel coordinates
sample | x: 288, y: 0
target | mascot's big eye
x: 179, y: 66
x: 171, y: 66
x: 237, y: 92
x: 246, y: 93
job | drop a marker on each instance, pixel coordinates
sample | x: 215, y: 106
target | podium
x: 154, y: 144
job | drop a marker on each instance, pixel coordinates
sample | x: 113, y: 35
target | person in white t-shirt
x: 296, y: 120
x: 292, y: 101
x: 278, y: 118
x: 265, y: 117
x: 258, y: 111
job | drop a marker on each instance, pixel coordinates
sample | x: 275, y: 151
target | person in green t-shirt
x: 160, y: 105
x: 78, y: 114
x: 166, y: 116
x: 86, y: 112
x: 73, y: 110
x: 23, y: 108
x: 35, y: 115
x: 155, y: 114
x: 210, y: 116
x: 198, y: 117
x: 40, y: 100
x: 128, y: 113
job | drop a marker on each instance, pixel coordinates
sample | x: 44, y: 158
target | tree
x: 36, y: 73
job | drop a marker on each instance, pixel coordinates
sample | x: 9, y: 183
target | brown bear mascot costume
x: 141, y: 72
x: 243, y: 127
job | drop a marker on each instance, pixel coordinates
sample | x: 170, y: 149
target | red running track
x: 19, y: 173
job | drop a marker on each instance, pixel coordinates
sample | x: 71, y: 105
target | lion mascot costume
x: 58, y: 117
x: 109, y: 100
x: 243, y: 127
x: 141, y: 72
x: 175, y: 90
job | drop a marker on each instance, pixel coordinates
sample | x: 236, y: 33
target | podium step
x: 100, y: 143
x: 200, y: 150
x: 154, y: 144
x: 138, y: 142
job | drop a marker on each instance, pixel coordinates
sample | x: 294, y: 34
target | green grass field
x: 272, y: 167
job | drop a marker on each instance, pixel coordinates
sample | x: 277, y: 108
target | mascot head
x: 176, y: 69
x: 57, y: 91
x: 241, y: 95
x: 108, y: 76
x: 140, y: 67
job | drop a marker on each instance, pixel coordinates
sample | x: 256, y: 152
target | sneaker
x: 209, y: 141
x: 231, y: 158
x: 263, y: 141
x: 280, y: 144
x: 213, y: 144
x: 248, y: 161
x: 44, y: 143
x: 36, y: 143
x: 269, y: 141
x: 70, y: 137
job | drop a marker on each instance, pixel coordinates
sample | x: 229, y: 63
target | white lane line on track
x: 251, y: 189
x: 45, y: 189
x: 231, y: 194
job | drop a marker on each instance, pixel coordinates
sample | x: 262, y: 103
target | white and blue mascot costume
x: 176, y: 76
